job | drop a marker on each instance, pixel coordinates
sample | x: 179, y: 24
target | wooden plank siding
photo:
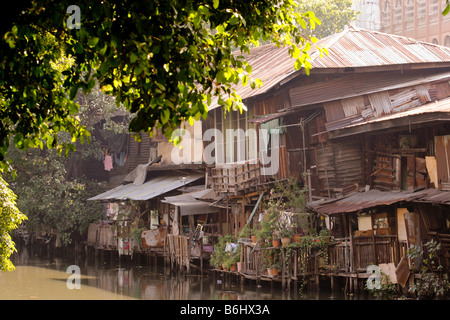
x: 339, y: 166
x: 239, y: 178
x: 442, y: 146
x: 139, y: 151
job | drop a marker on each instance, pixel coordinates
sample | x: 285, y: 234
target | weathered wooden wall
x: 339, y: 166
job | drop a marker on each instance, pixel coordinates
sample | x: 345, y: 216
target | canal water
x: 48, y: 279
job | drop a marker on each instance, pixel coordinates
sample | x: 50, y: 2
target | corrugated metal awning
x: 434, y: 196
x: 148, y: 190
x: 432, y: 111
x: 189, y: 204
x: 374, y: 198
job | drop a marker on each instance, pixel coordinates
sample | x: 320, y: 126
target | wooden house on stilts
x: 154, y: 207
x: 366, y: 132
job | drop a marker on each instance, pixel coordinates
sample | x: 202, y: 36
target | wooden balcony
x: 358, y: 254
x: 236, y: 178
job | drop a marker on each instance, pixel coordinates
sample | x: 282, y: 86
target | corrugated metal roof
x: 441, y: 106
x: 373, y: 198
x: 434, y: 196
x: 150, y: 189
x: 189, y: 204
x: 355, y: 48
x: 269, y: 64
x: 360, y: 201
x: 352, y: 48
x: 355, y: 85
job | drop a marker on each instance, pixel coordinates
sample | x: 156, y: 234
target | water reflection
x: 36, y: 278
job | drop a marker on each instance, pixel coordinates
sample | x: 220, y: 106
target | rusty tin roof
x: 374, y: 198
x: 354, y: 47
x: 351, y: 48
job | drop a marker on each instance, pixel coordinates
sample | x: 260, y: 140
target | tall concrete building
x: 370, y: 14
x: 418, y: 19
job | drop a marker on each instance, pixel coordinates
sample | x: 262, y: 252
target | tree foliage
x: 52, y: 203
x: 335, y: 15
x: 163, y: 60
x: 10, y: 218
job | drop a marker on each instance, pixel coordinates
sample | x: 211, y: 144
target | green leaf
x: 234, y: 20
x: 133, y: 57
x: 244, y: 80
x: 79, y: 48
x: 160, y: 86
x: 215, y: 4
x: 165, y: 115
x: 104, y: 68
x: 203, y: 10
x: 92, y: 42
x: 103, y: 50
x: 73, y: 92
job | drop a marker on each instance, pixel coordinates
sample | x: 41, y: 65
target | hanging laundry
x: 120, y: 158
x: 108, y: 162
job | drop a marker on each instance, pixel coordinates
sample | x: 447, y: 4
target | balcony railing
x: 364, y: 251
x: 236, y: 178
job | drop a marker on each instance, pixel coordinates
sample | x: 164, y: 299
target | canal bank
x: 46, y: 278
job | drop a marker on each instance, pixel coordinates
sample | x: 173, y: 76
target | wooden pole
x: 374, y: 247
x: 228, y: 220
x: 352, y: 245
x: 201, y: 256
x: 302, y: 128
x: 283, y: 269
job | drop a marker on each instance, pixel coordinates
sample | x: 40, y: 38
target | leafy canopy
x: 50, y: 201
x: 335, y: 15
x: 10, y: 218
x: 164, y: 61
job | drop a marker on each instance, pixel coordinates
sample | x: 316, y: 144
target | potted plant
x: 276, y: 268
x: 270, y: 257
x: 216, y: 260
x: 325, y: 235
x: 248, y: 233
x: 267, y: 225
x: 297, y: 237
x: 219, y: 255
x: 232, y: 260
x: 276, y: 243
x: 285, y: 235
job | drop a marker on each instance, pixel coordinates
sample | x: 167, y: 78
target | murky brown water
x: 36, y: 278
